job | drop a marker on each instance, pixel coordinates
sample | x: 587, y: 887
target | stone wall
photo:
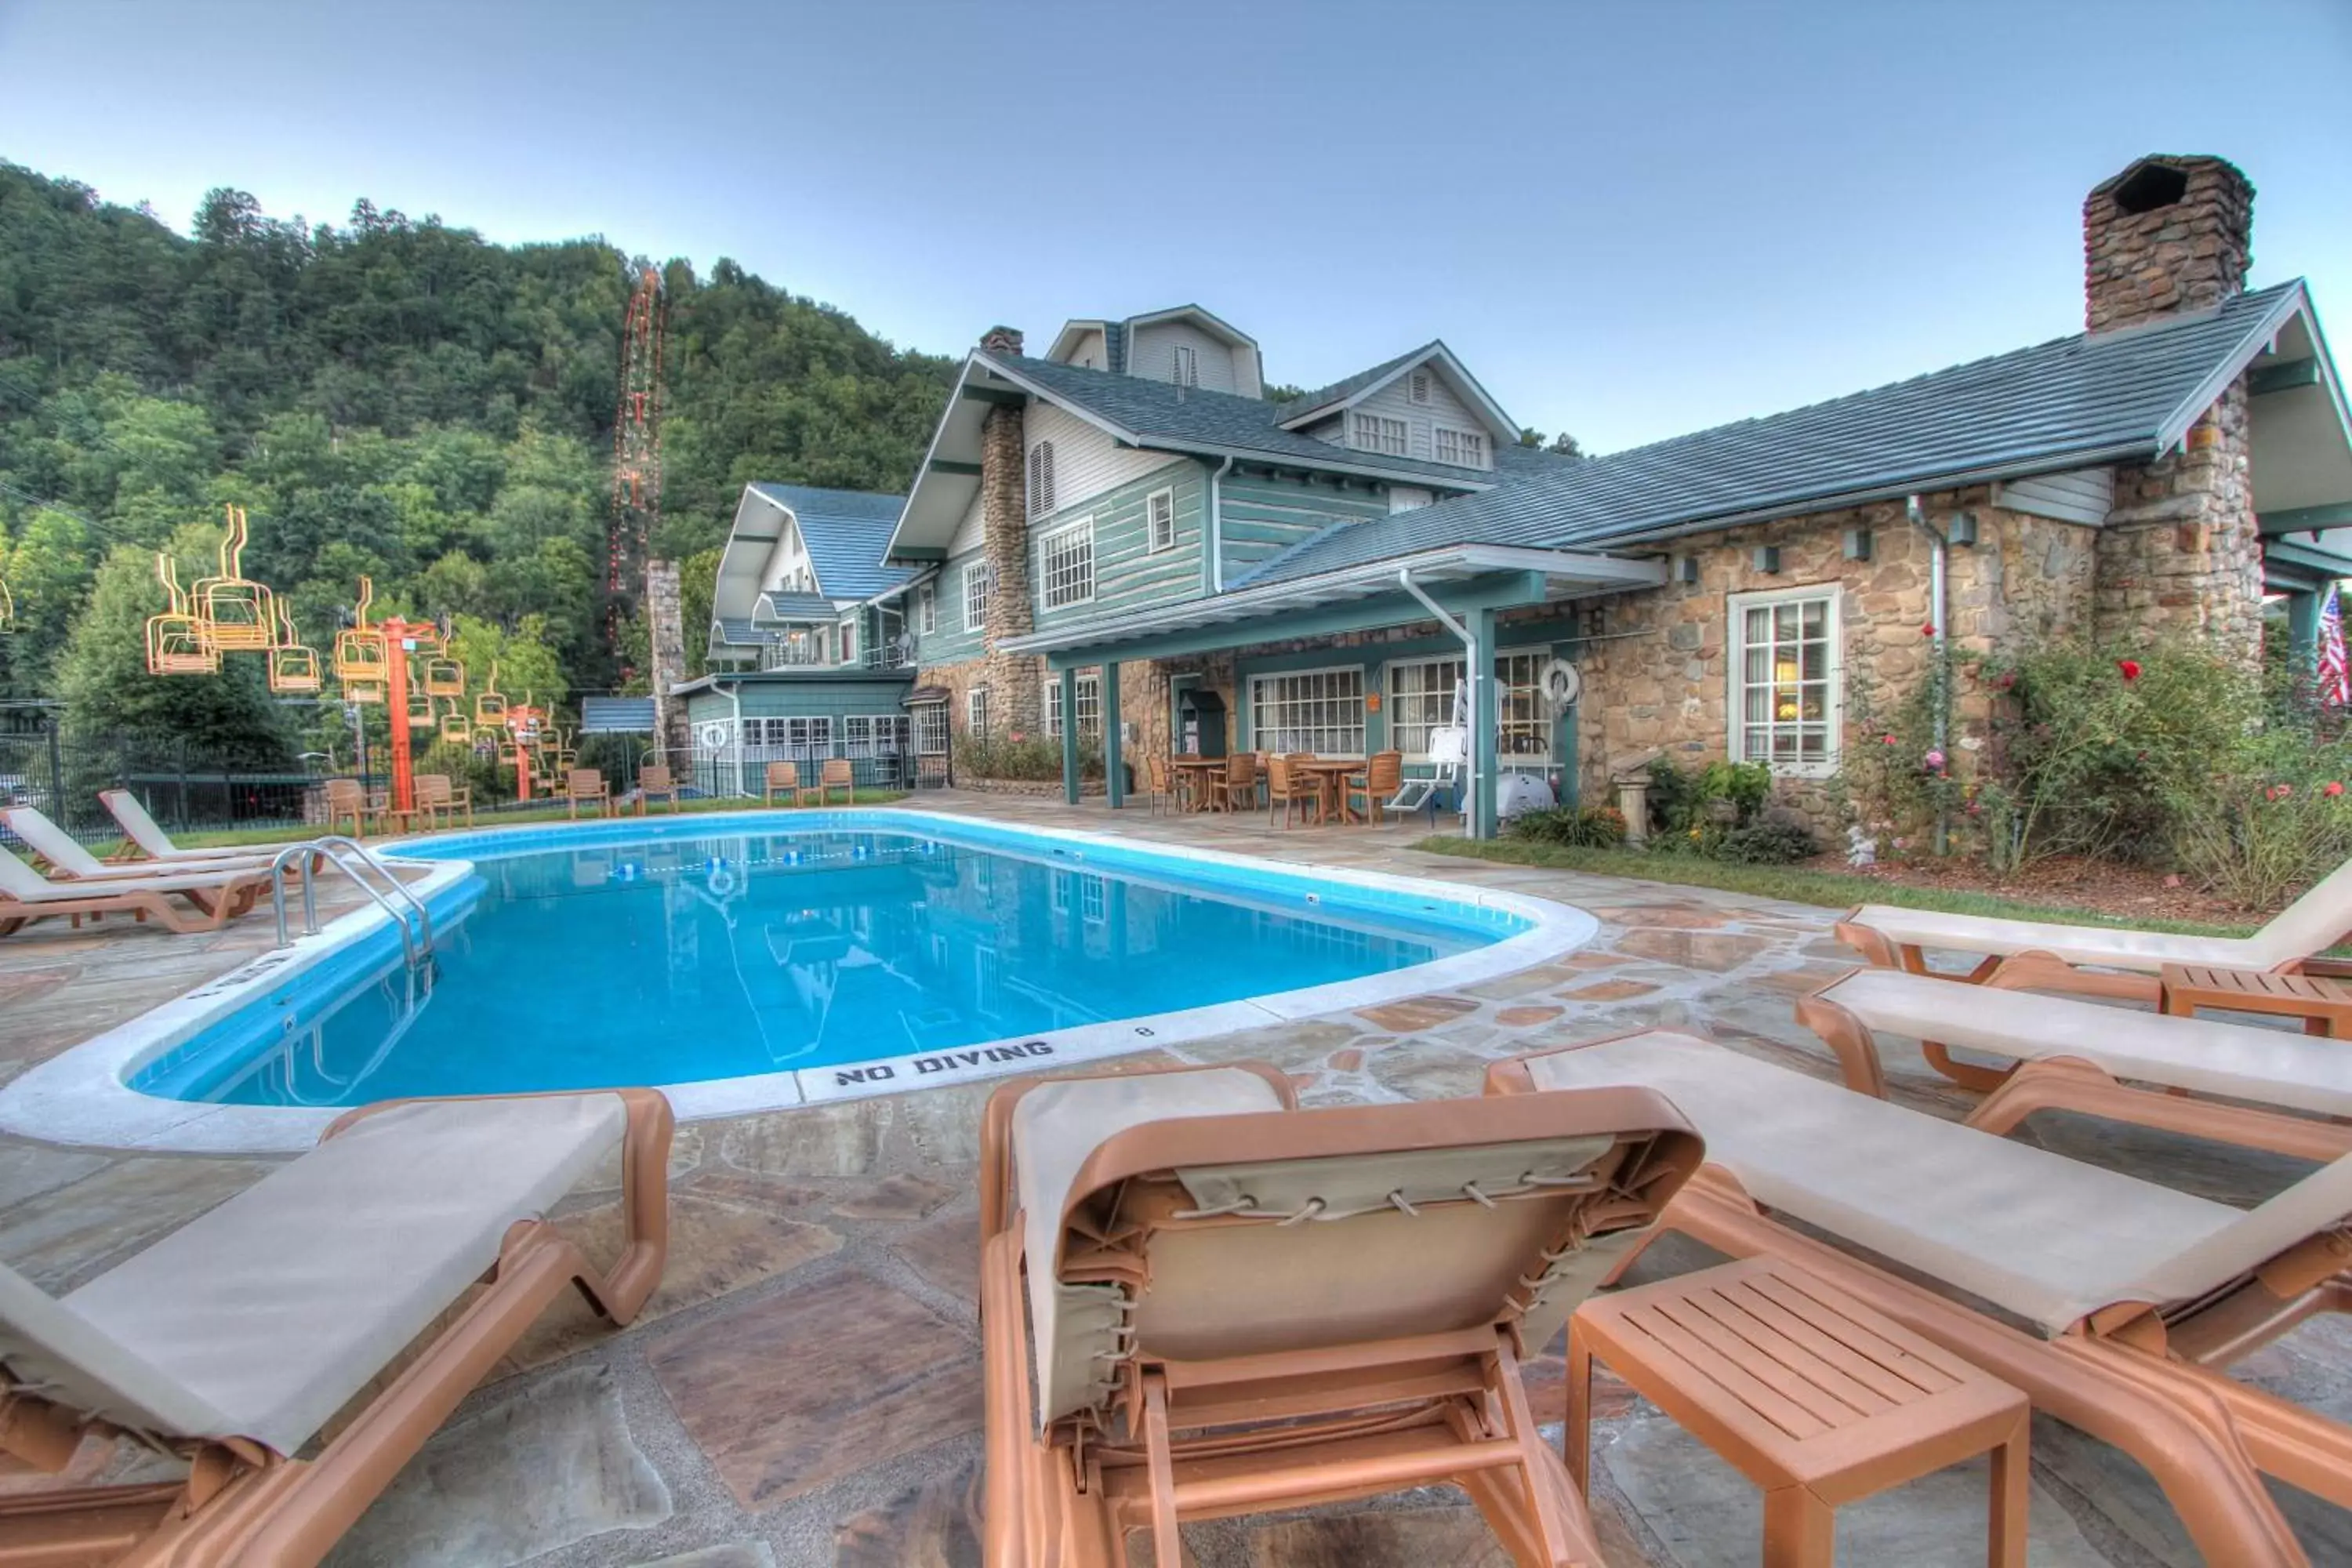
x: 2182, y: 550
x: 1014, y: 701
x: 1654, y: 663
x: 666, y: 632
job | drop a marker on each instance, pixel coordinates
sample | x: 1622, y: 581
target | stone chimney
x: 1001, y: 339
x: 2167, y: 235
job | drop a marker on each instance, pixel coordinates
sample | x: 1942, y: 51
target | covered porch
x: 1350, y: 662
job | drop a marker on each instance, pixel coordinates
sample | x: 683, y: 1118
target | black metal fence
x: 184, y: 786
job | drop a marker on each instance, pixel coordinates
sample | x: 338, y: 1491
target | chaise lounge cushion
x: 22, y: 884
x: 2204, y: 1056
x: 2048, y: 1239
x: 264, y: 1317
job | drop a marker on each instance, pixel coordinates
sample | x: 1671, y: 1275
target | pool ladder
x: 353, y: 859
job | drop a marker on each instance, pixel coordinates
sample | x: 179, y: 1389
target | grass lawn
x: 294, y: 832
x: 1830, y: 890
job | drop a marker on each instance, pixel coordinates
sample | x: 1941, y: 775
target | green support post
x: 1482, y: 737
x: 1114, y: 768
x: 2302, y: 634
x: 1070, y: 736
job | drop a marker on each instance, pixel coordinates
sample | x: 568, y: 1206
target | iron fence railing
x: 184, y: 786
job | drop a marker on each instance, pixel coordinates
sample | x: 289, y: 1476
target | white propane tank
x: 1522, y: 792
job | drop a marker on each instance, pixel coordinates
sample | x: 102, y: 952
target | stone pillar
x: 666, y: 629
x: 1015, y: 702
x: 2181, y: 550
x: 2167, y: 235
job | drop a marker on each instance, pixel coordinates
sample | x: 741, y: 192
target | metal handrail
x: 337, y: 849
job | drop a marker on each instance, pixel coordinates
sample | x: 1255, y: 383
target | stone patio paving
x: 804, y: 1388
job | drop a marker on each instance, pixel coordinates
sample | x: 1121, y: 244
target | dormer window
x: 1463, y: 448
x: 1373, y: 432
x: 1184, y: 368
x: 1041, y: 478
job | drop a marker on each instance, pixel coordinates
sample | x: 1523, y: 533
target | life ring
x: 714, y: 736
x: 1561, y: 685
x: 722, y: 883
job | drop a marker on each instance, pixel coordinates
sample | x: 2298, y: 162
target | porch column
x: 1114, y: 775
x: 1483, y: 726
x: 1070, y: 735
x: 2302, y: 634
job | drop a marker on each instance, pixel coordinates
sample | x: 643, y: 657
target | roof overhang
x: 760, y: 521
x: 1457, y: 374
x: 1562, y: 574
x: 2300, y: 434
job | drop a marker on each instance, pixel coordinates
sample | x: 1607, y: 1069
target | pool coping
x: 81, y: 1096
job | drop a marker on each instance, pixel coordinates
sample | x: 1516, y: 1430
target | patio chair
x: 1155, y: 776
x: 217, y: 896
x: 68, y: 861
x: 142, y: 833
x: 2133, y: 1295
x: 2040, y: 955
x: 232, y: 1342
x: 1233, y: 1305
x: 785, y: 779
x: 2062, y: 1053
x: 1237, y: 789
x: 835, y: 774
x: 1381, y: 780
x: 586, y: 786
x: 345, y: 797
x: 655, y: 782
x: 1285, y: 788
x: 440, y: 800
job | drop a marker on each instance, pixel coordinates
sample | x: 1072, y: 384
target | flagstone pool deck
x: 804, y: 1388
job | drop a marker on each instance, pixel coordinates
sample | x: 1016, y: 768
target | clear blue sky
x: 1631, y: 220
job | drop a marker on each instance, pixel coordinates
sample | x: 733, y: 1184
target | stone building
x: 1127, y: 534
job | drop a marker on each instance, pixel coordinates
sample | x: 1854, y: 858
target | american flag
x: 2335, y: 673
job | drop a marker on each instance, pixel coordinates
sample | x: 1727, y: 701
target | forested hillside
x: 392, y: 396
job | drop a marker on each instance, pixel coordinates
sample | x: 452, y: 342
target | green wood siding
x: 954, y: 641
x: 1129, y: 574
x: 1262, y: 516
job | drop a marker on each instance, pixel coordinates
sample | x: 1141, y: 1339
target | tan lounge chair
x: 440, y: 800
x: 218, y: 897
x: 2135, y: 1295
x: 785, y: 779
x: 655, y: 782
x: 2039, y: 955
x: 1234, y: 1305
x: 70, y: 862
x: 233, y: 1341
x: 586, y: 786
x: 142, y: 833
x: 2084, y: 1057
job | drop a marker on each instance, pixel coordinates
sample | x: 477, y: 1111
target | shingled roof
x: 845, y: 531
x: 2073, y: 401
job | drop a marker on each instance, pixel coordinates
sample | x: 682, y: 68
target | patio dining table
x: 1330, y: 775
x: 1197, y: 774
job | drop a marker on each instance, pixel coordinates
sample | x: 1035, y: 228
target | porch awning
x: 924, y: 695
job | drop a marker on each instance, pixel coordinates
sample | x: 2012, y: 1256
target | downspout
x: 1471, y: 817
x: 1217, y: 527
x: 735, y: 711
x: 1939, y: 549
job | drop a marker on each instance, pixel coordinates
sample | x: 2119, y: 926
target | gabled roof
x: 1325, y: 401
x: 795, y: 609
x: 1116, y: 333
x: 845, y: 532
x: 2115, y: 396
x: 616, y: 715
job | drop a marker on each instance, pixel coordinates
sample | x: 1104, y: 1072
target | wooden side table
x: 2325, y: 1006
x: 1815, y: 1397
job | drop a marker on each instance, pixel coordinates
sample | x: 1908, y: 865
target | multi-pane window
x: 926, y: 610
x: 931, y: 730
x: 978, y: 588
x: 1066, y: 564
x: 1463, y: 448
x: 858, y: 735
x: 891, y: 733
x: 1319, y: 711
x: 1041, y: 478
x: 1160, y: 509
x: 1089, y: 706
x: 1093, y: 899
x: 975, y: 709
x: 1784, y: 678
x: 1422, y: 695
x: 809, y: 737
x: 1184, y: 370
x: 1377, y: 433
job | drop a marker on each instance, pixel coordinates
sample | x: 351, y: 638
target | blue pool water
x: 684, y: 953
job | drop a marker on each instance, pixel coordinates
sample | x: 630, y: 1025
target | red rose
x: 2130, y: 667
x: 2334, y: 787
x: 1928, y: 630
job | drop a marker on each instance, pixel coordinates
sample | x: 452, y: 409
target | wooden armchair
x: 439, y: 798
x: 587, y: 785
x: 783, y: 779
x: 345, y: 797
x: 1287, y: 788
x: 1379, y: 781
x: 1155, y: 774
x: 1237, y: 791
x: 836, y: 775
x: 656, y: 779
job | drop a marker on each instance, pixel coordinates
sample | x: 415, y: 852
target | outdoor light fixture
x: 1857, y: 545
x: 1962, y: 529
x: 1767, y: 558
x: 1685, y: 568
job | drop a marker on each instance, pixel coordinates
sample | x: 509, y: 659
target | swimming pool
x: 748, y: 961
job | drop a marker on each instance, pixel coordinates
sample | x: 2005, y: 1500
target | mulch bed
x: 2072, y: 882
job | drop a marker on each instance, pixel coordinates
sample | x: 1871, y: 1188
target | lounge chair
x: 785, y: 779
x: 218, y: 897
x: 2071, y: 1055
x: 586, y: 786
x: 655, y: 782
x: 2038, y: 955
x: 1233, y: 1305
x: 2135, y: 1295
x: 233, y: 1341
x: 71, y: 862
x: 142, y: 833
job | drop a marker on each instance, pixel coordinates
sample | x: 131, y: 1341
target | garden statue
x: 1861, y: 846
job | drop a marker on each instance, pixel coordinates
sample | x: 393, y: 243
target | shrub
x: 1585, y: 828
x: 1768, y: 841
x: 1029, y: 759
x: 2273, y: 820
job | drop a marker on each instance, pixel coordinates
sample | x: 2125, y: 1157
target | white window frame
x: 849, y: 641
x: 978, y: 588
x: 927, y: 611
x: 1474, y: 442
x: 976, y: 710
x: 1264, y: 737
x: 809, y: 736
x: 858, y: 735
x: 1159, y: 507
x: 1047, y: 544
x: 930, y: 730
x: 1522, y: 715
x: 1832, y: 720
x: 1089, y: 684
x: 1369, y: 432
x: 1041, y: 479
x: 1184, y: 365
